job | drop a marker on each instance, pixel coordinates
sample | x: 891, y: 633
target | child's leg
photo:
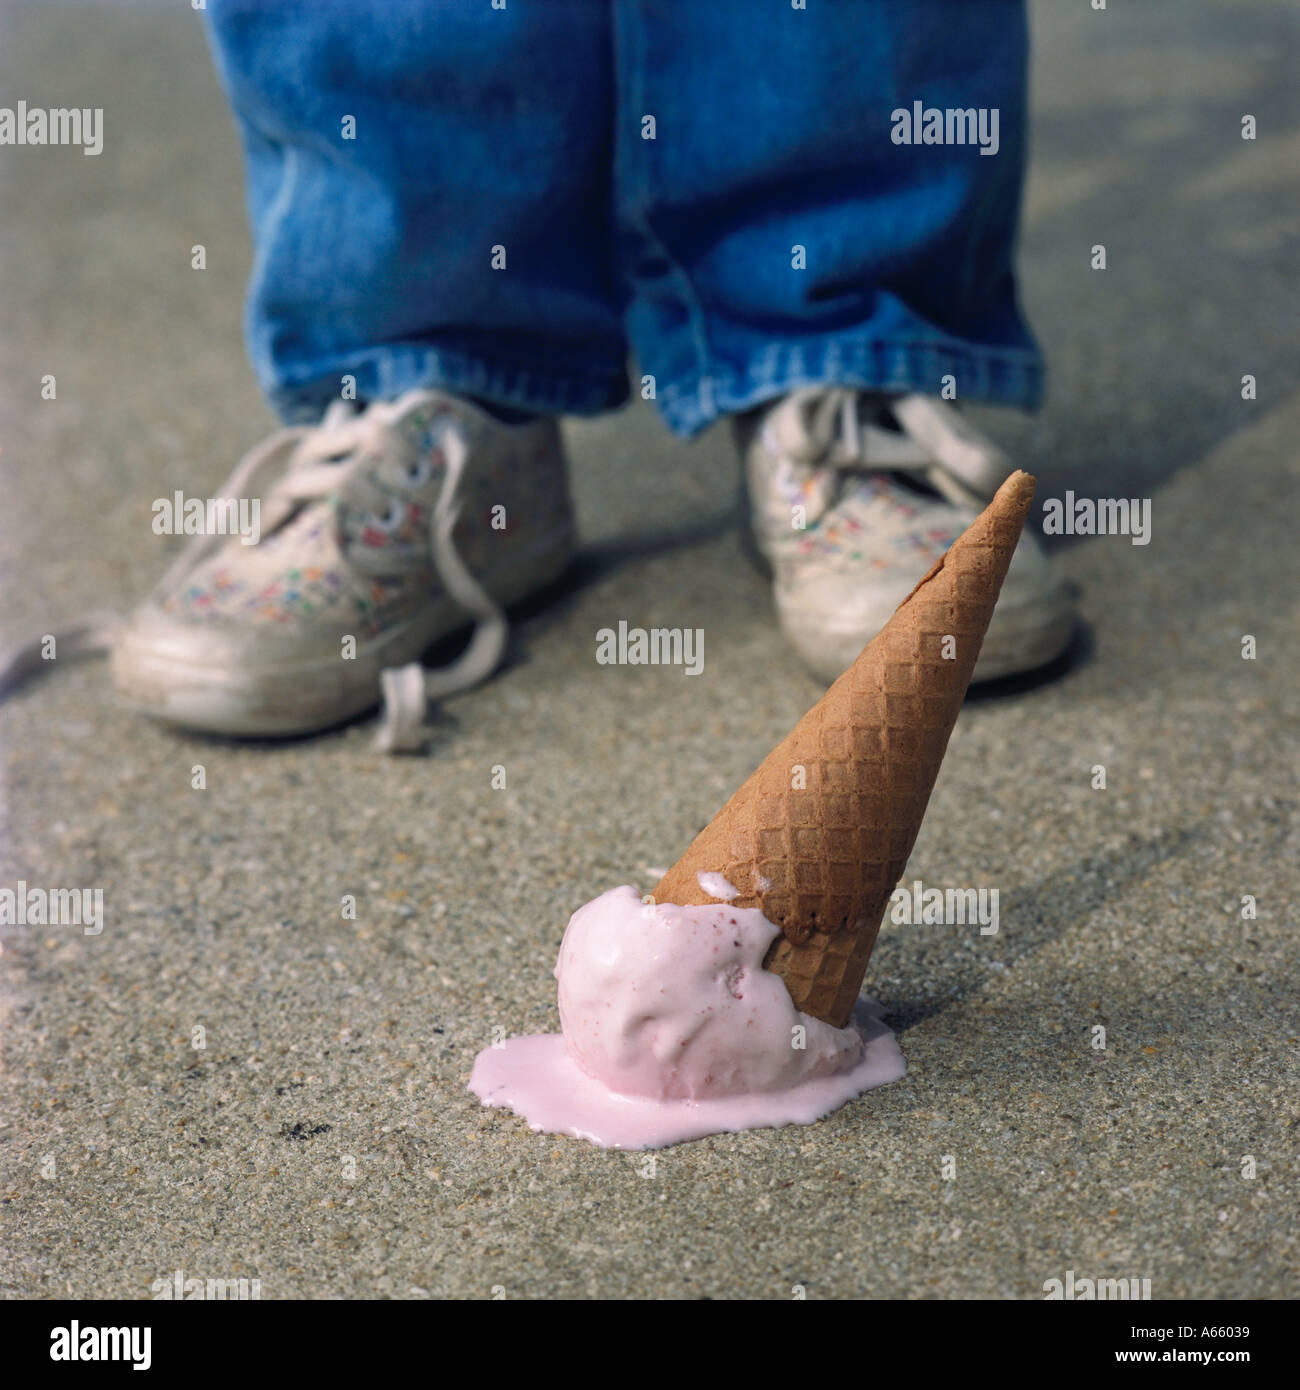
x: 430, y: 195
x: 429, y: 190
x: 806, y: 234
x: 774, y: 233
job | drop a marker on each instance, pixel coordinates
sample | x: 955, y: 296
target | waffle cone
x: 820, y: 834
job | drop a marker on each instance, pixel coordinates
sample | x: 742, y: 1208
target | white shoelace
x: 825, y: 426
x: 302, y: 464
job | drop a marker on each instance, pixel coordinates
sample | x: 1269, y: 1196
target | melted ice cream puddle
x: 673, y: 1030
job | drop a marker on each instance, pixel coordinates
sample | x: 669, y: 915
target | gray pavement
x: 323, y: 1141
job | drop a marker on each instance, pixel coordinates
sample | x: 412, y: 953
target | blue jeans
x: 494, y: 218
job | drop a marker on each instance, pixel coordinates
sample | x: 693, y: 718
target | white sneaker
x: 380, y: 533
x: 854, y: 496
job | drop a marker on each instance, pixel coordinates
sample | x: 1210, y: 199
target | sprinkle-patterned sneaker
x: 380, y: 532
x: 852, y: 499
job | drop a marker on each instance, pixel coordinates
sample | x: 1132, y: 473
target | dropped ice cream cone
x: 818, y: 837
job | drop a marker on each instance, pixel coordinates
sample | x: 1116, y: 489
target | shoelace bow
x: 844, y: 428
x: 365, y: 460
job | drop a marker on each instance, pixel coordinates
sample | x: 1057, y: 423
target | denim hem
x: 385, y: 373
x: 988, y: 376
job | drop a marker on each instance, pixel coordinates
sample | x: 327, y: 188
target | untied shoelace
x: 302, y: 464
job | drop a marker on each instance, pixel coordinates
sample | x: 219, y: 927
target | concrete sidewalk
x: 323, y: 1140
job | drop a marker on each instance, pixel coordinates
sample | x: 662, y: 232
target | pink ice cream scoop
x: 673, y: 1030
x: 674, y: 1003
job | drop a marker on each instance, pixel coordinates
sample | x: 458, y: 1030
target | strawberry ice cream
x: 673, y: 1030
